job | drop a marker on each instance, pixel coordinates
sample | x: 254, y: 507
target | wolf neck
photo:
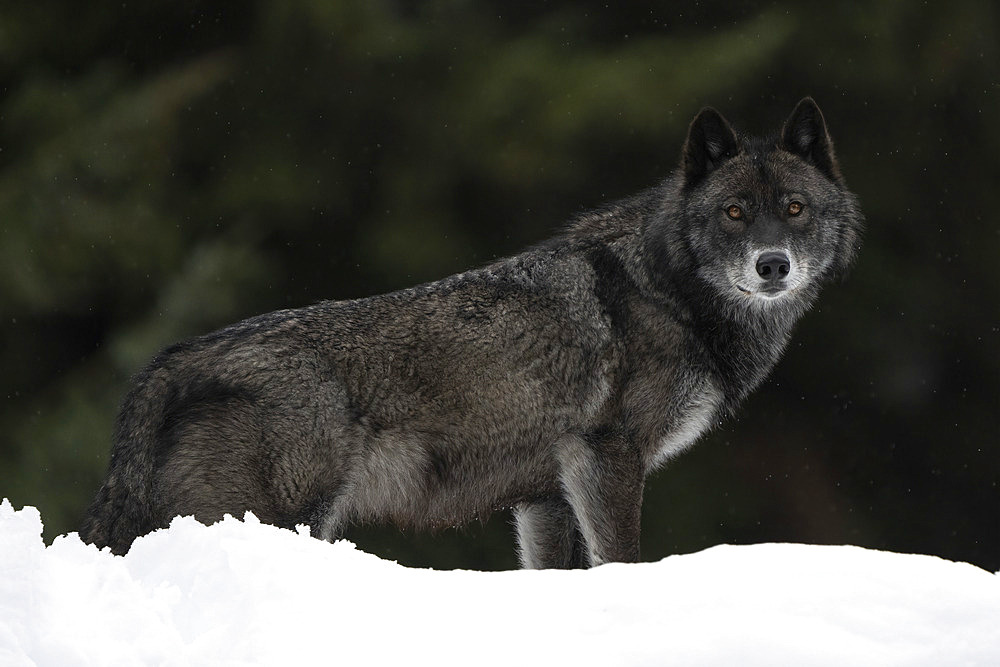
x: 742, y: 349
x: 739, y: 343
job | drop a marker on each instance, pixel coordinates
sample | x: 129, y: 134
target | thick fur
x: 551, y: 382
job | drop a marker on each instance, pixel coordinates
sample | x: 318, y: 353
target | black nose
x: 773, y: 265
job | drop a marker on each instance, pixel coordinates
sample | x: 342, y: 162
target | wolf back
x: 551, y: 382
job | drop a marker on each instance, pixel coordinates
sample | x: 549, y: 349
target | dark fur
x: 551, y: 382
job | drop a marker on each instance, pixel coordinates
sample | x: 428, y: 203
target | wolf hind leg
x: 548, y: 535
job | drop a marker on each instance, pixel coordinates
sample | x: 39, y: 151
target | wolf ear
x: 805, y: 135
x: 710, y: 141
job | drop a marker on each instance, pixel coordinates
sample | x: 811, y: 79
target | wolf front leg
x: 602, y: 476
x: 548, y: 535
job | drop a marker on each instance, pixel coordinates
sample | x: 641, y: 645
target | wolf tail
x: 123, y: 507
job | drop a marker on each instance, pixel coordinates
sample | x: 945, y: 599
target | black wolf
x: 551, y: 382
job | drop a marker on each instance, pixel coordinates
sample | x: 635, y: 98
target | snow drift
x: 240, y: 592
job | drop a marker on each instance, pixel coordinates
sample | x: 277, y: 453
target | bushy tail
x: 122, y: 509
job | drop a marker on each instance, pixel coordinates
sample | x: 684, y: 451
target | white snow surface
x: 244, y: 593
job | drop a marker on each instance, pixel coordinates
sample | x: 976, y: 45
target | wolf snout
x: 773, y: 266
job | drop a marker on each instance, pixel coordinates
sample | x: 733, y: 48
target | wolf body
x: 551, y: 382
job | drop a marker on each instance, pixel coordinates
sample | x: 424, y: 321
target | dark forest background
x: 170, y: 167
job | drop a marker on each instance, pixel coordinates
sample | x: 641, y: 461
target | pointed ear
x: 805, y: 135
x: 710, y: 141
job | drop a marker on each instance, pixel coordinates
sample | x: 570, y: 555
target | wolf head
x: 761, y: 222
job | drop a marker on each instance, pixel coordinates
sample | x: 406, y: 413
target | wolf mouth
x: 771, y: 292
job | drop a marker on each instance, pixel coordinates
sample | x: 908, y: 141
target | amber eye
x: 794, y: 208
x: 734, y: 212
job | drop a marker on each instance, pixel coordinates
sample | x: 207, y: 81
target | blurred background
x: 167, y: 168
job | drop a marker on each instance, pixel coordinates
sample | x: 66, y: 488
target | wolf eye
x: 734, y: 212
x: 794, y: 208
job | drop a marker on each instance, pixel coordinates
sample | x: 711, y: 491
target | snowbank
x: 246, y: 593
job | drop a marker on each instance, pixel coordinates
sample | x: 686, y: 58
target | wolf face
x: 765, y: 221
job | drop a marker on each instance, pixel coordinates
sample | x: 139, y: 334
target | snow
x: 244, y: 593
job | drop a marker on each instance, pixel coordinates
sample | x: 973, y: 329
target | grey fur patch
x: 694, y: 418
